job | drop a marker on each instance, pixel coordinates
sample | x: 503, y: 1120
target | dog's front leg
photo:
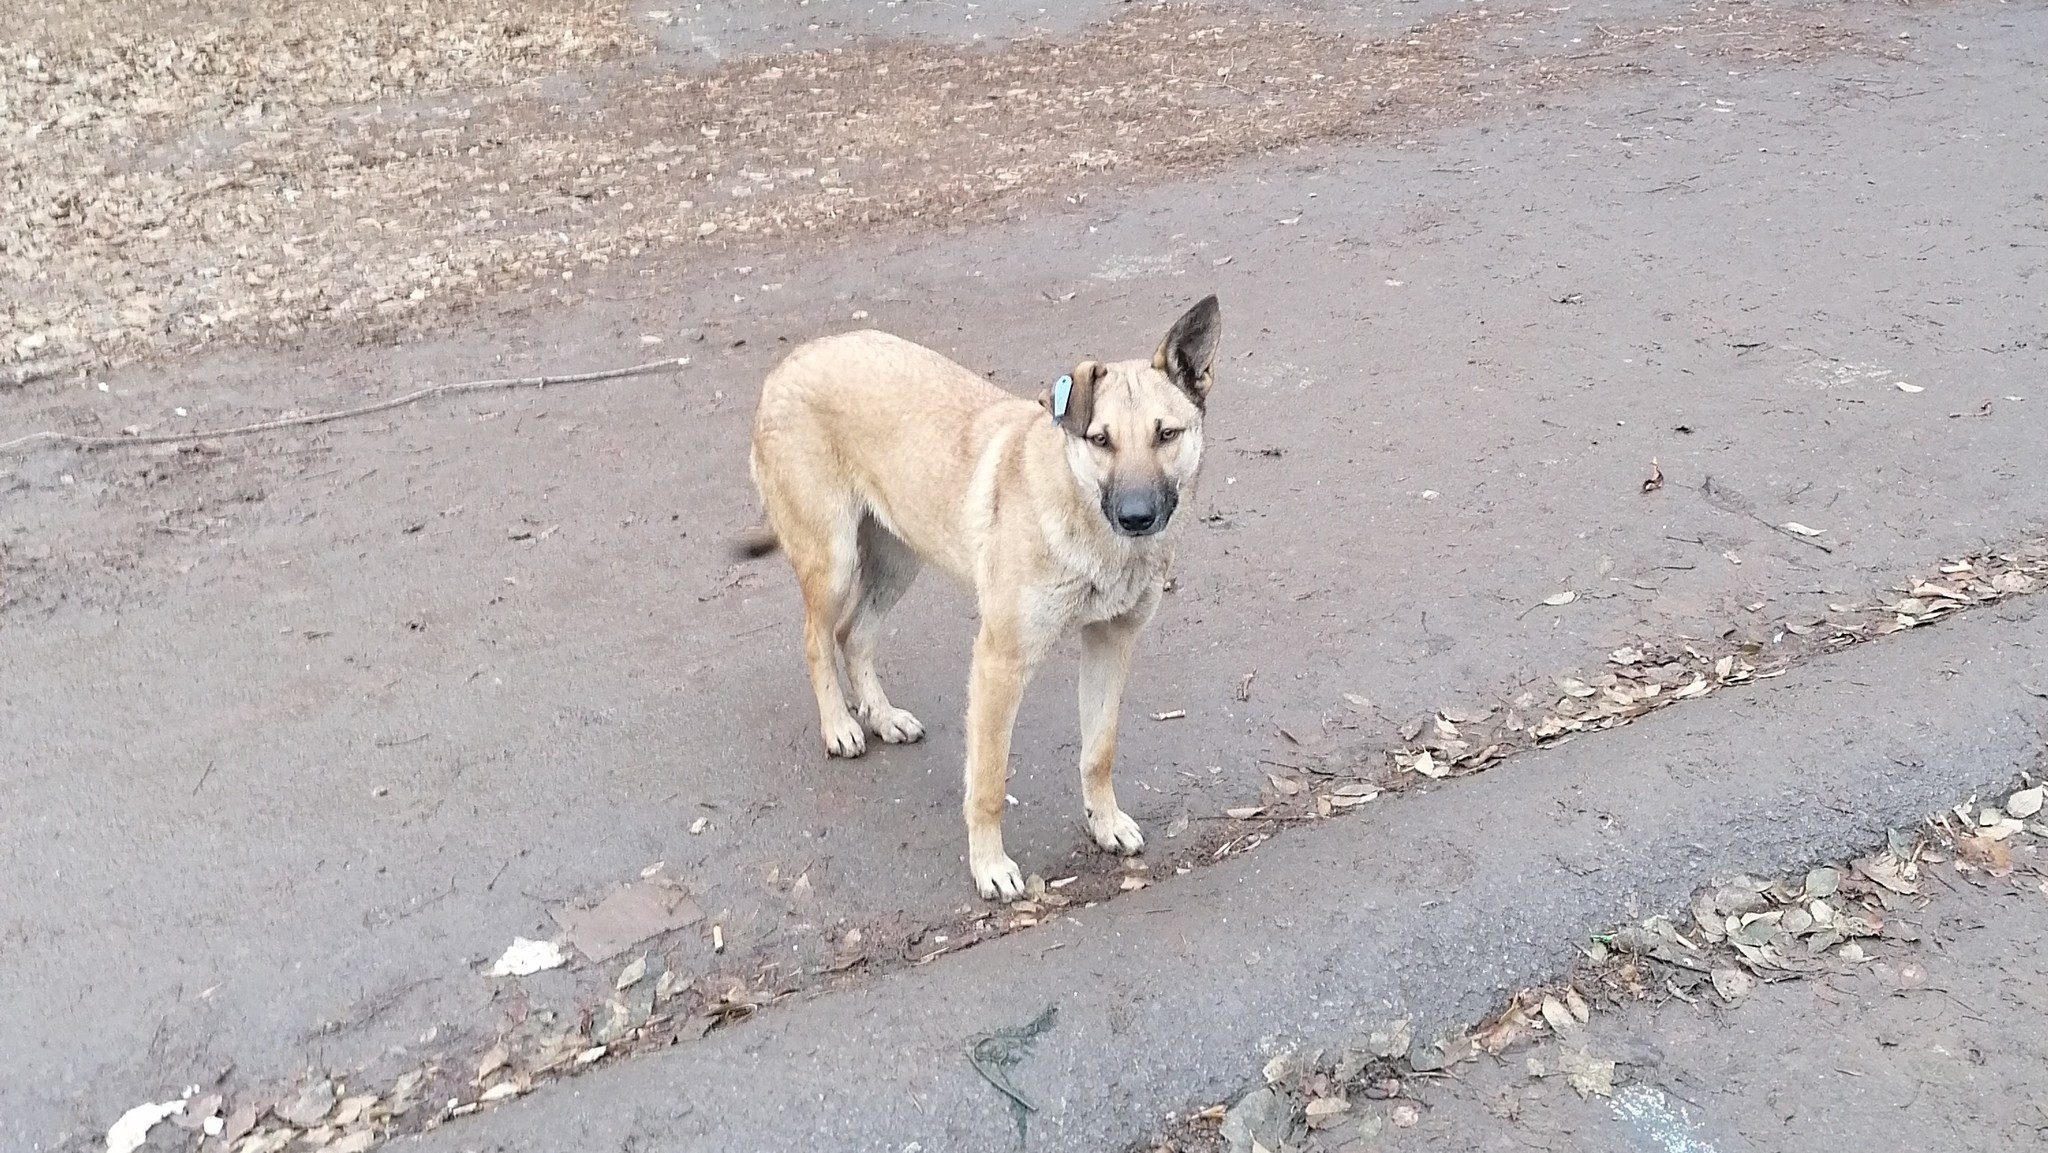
x: 1105, y: 666
x: 1001, y: 669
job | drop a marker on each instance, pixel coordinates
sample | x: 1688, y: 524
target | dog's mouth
x: 1139, y: 512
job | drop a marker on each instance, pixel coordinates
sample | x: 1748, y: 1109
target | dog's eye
x: 1169, y: 435
x: 1099, y: 440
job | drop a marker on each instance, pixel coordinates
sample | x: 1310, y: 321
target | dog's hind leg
x: 826, y: 556
x: 1105, y: 666
x: 887, y: 566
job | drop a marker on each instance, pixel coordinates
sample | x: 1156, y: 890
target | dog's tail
x: 756, y: 542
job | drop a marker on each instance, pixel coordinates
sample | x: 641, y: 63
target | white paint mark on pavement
x: 1649, y: 1113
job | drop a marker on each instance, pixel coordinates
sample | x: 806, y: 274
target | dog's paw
x: 999, y: 880
x: 1117, y: 833
x: 896, y: 726
x: 844, y: 737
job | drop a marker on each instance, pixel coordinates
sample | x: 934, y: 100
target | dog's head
x: 1134, y: 427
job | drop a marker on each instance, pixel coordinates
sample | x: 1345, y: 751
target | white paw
x: 998, y: 880
x: 896, y: 726
x: 843, y: 736
x: 1117, y: 833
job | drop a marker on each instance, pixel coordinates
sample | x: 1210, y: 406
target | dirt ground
x: 301, y: 730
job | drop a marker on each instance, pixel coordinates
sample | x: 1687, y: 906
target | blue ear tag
x: 1061, y: 390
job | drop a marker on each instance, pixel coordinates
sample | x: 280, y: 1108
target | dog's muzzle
x: 1139, y: 511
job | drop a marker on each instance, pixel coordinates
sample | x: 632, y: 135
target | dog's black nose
x: 1138, y: 513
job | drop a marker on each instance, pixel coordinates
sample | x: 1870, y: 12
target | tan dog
x: 874, y: 455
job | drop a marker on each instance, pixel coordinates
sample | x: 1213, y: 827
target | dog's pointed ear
x: 1187, y: 356
x: 1072, y: 401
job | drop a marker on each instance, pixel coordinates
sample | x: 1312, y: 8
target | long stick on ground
x: 79, y: 440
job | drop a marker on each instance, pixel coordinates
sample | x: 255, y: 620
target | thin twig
x: 1801, y: 538
x: 92, y: 442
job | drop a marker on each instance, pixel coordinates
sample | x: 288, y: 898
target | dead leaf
x: 1656, y: 480
x: 2025, y: 803
x: 1290, y: 1065
x: 1427, y: 766
x: 1885, y: 869
x: 1558, y: 1017
x: 1902, y: 386
x: 1132, y: 884
x: 1244, y: 813
x: 1984, y: 853
x: 1326, y: 1112
x: 1504, y: 1030
x: 1564, y: 598
x: 1285, y: 786
x: 237, y: 1125
x: 1591, y: 1076
x: 1353, y: 793
x: 1574, y: 687
x: 310, y: 1107
x: 353, y: 1109
x: 1404, y: 1115
x: 1577, y: 1004
x: 632, y: 974
x: 1793, y: 526
x: 2000, y: 829
x: 1733, y: 984
x: 495, y: 1058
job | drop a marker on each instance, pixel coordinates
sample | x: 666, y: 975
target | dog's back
x: 878, y: 425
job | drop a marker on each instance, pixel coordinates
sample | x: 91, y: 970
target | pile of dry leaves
x: 1750, y: 929
x: 161, y: 161
x: 374, y: 164
x: 321, y: 1115
x: 1640, y: 679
